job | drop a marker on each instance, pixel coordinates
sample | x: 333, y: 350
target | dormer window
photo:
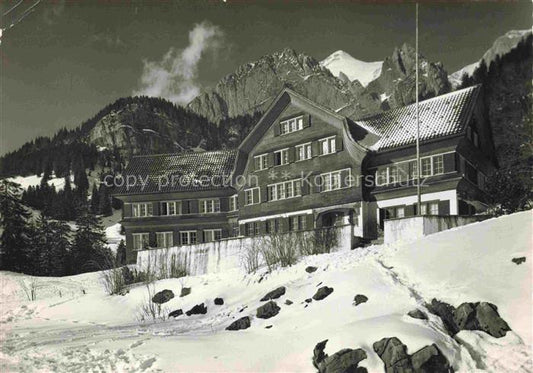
x: 291, y: 125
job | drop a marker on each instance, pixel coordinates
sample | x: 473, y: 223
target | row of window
x: 430, y: 166
x: 173, y: 208
x: 327, y: 182
x: 303, y: 152
x: 141, y: 241
x: 295, y: 223
x: 427, y: 208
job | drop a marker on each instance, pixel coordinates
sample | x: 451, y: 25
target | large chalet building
x: 304, y: 167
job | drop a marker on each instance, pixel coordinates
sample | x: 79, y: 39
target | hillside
x: 74, y: 326
x: 501, y: 46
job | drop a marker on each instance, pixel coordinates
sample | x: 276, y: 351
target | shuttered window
x: 141, y: 241
x: 140, y: 210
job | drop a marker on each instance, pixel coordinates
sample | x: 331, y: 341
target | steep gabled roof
x: 439, y: 117
x: 178, y: 172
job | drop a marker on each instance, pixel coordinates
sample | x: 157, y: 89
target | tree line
x: 47, y: 247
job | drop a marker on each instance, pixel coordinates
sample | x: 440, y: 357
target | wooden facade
x: 304, y: 167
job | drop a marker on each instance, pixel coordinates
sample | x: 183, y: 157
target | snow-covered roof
x: 178, y: 172
x: 439, y: 116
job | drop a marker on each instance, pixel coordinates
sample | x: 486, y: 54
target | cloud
x: 174, y: 77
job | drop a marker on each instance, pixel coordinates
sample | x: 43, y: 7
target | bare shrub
x: 150, y: 310
x: 251, y: 257
x: 279, y: 249
x: 30, y: 288
x: 320, y: 241
x: 114, y: 280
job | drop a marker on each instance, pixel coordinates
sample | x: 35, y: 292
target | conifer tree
x: 121, y: 254
x: 16, y: 231
x: 89, y: 252
x: 53, y: 245
x: 95, y: 200
x: 105, y: 201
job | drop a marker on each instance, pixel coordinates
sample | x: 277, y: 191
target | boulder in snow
x: 268, y: 310
x: 163, y: 296
x: 519, y: 261
x: 359, y: 298
x: 310, y: 269
x: 176, y: 313
x: 345, y: 360
x: 219, y: 301
x: 288, y: 302
x: 446, y: 313
x: 185, y: 292
x: 394, y: 355
x: 274, y: 294
x: 322, y: 292
x: 199, y: 309
x: 490, y: 321
x: 242, y: 323
x: 417, y: 314
x: 430, y: 359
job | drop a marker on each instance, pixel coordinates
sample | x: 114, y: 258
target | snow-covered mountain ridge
x: 77, y: 327
x: 341, y: 62
x: 501, y: 45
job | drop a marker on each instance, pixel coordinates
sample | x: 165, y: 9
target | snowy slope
x: 85, y: 329
x: 34, y: 180
x: 353, y: 68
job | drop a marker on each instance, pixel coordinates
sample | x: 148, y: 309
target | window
x: 400, y: 212
x: 235, y: 229
x: 251, y: 196
x: 331, y: 181
x: 297, y: 223
x: 281, y: 157
x: 261, y: 162
x: 284, y: 190
x: 471, y: 173
x: 291, y: 125
x: 438, y: 165
x: 211, y: 235
x: 327, y: 145
x: 431, y: 208
x: 209, y: 206
x: 188, y: 237
x: 164, y: 239
x: 272, y: 226
x: 233, y: 203
x: 425, y: 165
x: 141, y: 241
x: 413, y: 170
x: 252, y: 229
x: 170, y: 208
x: 303, y: 152
x: 140, y: 210
x: 393, y: 174
x: 381, y: 177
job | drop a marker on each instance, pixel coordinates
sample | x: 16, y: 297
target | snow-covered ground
x: 74, y: 326
x: 34, y: 180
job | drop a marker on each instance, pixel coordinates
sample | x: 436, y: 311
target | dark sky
x: 68, y: 59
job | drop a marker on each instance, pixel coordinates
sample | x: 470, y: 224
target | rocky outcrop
x: 163, y: 296
x: 359, y: 298
x: 428, y: 359
x: 417, y: 314
x: 240, y: 324
x: 199, y: 309
x: 176, y: 313
x: 268, y: 310
x: 396, y: 83
x: 345, y: 360
x: 322, y: 293
x: 274, y: 294
x: 482, y: 316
